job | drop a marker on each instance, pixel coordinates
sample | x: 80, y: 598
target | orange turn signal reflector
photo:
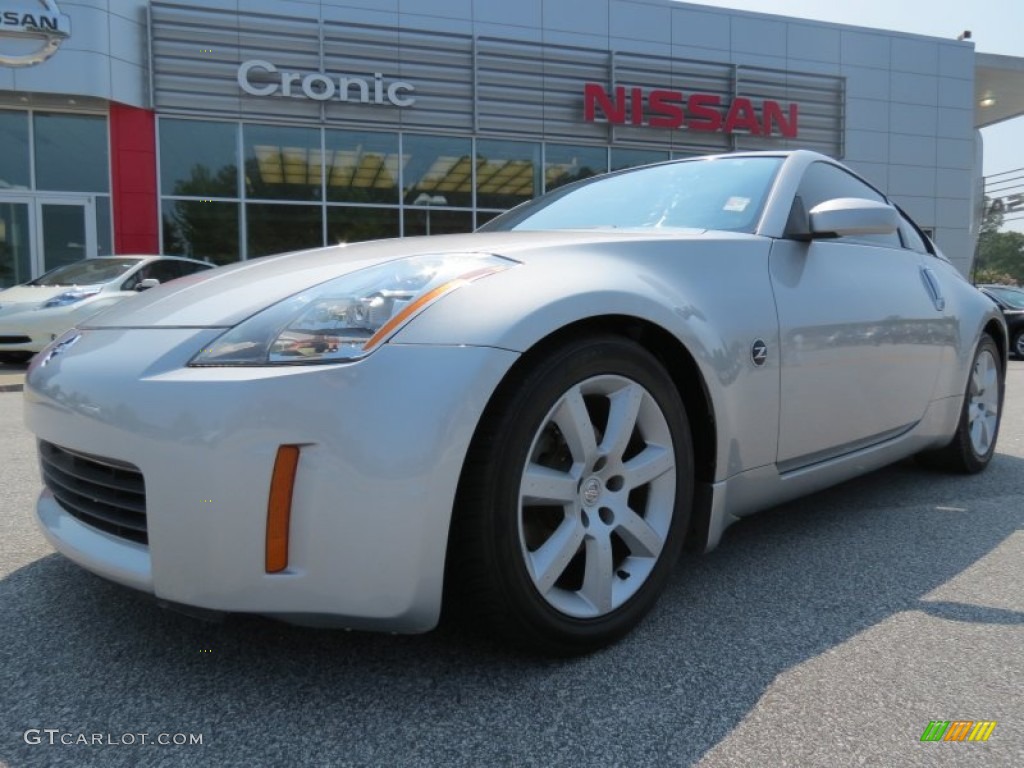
x: 428, y: 298
x: 409, y: 311
x: 279, y: 507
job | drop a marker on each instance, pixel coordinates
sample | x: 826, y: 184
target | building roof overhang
x: 998, y: 88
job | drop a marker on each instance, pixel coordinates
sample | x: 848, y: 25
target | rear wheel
x: 974, y: 443
x: 1017, y: 347
x: 576, y: 497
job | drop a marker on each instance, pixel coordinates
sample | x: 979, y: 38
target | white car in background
x: 35, y: 313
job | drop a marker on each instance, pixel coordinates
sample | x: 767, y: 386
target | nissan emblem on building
x: 31, y: 31
x: 261, y: 78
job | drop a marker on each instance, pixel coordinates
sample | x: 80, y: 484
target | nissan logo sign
x: 31, y: 32
x: 261, y: 78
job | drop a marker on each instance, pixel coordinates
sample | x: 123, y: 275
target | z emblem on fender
x: 759, y: 353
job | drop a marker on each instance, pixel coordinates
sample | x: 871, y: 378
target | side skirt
x: 719, y: 505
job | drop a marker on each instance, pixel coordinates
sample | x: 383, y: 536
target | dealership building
x: 231, y: 129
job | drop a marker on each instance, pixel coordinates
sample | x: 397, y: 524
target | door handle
x: 931, y: 284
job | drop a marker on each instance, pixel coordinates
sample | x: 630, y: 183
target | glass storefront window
x: 14, y: 165
x: 565, y: 164
x: 362, y: 167
x: 507, y: 173
x: 63, y: 230
x: 482, y: 217
x: 427, y: 221
x: 198, y: 159
x: 629, y: 158
x: 104, y: 227
x: 352, y: 225
x: 71, y: 153
x: 353, y: 181
x: 437, y: 167
x: 15, y: 245
x: 283, y: 163
x: 205, y: 231
x: 283, y: 228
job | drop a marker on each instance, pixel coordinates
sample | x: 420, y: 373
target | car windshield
x: 1009, y: 296
x: 87, y: 272
x: 721, y: 193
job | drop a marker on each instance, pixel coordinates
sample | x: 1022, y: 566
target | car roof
x: 158, y: 256
x: 147, y: 257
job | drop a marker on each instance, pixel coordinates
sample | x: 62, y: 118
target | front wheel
x: 974, y: 443
x: 576, y: 497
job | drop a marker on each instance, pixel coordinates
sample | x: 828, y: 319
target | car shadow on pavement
x: 86, y: 656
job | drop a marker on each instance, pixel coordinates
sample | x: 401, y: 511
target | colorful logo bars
x: 958, y: 730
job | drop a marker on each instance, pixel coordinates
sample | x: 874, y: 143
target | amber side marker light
x: 279, y: 507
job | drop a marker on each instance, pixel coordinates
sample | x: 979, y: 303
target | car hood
x: 224, y: 297
x: 22, y: 297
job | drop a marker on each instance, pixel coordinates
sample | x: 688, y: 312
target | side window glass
x: 824, y: 181
x: 188, y: 268
x: 134, y: 280
x: 164, y: 271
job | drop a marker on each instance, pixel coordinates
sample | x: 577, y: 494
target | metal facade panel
x: 510, y: 77
x: 820, y: 99
x: 440, y: 66
x: 489, y: 86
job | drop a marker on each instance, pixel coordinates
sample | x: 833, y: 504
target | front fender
x: 714, y: 298
x: 969, y: 312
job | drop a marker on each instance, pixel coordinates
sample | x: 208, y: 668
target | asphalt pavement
x: 12, y: 377
x: 826, y: 632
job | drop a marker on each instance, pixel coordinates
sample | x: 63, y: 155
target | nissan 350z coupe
x: 537, y: 416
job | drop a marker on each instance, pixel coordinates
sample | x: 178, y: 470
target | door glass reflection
x: 15, y: 244
x: 63, y: 234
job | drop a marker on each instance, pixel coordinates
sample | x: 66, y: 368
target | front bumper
x: 383, y: 442
x: 37, y: 328
x: 22, y: 338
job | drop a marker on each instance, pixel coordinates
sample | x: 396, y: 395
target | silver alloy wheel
x: 983, y: 410
x: 597, y: 496
x: 1019, y: 346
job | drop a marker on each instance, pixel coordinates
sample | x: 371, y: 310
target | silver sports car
x: 535, y: 418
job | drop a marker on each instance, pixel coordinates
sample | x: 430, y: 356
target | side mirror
x: 145, y: 285
x: 852, y: 216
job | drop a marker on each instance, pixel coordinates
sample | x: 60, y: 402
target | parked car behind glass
x: 34, y: 314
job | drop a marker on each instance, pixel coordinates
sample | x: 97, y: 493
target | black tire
x: 493, y: 532
x: 964, y: 454
x: 15, y: 358
x: 1017, y: 345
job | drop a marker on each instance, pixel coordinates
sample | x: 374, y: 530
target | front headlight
x: 347, y: 318
x: 69, y: 297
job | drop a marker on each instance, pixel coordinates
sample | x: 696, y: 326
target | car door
x: 857, y: 325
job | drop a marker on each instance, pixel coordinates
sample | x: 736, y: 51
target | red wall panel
x: 133, y: 168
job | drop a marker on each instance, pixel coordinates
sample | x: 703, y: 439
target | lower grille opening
x: 106, y: 494
x: 14, y: 339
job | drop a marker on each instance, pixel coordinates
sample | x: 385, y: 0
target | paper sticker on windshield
x: 738, y: 204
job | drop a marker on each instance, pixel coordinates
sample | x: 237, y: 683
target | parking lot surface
x: 826, y: 632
